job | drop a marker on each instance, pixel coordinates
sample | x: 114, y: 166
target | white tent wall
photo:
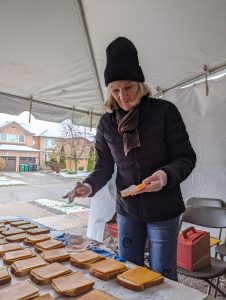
x: 204, y: 117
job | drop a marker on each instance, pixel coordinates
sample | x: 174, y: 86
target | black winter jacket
x: 165, y: 146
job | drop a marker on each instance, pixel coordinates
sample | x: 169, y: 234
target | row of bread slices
x: 26, y: 290
x: 19, y: 231
x: 42, y: 273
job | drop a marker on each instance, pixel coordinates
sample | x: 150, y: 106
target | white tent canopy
x: 52, y: 54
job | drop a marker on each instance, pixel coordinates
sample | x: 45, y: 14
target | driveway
x: 20, y: 190
x: 38, y: 185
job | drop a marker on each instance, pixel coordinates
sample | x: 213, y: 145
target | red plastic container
x: 113, y: 229
x: 193, y: 249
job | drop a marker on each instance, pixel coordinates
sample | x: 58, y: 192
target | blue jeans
x: 162, y: 240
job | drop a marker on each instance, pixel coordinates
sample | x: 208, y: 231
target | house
x: 24, y: 144
x: 17, y: 146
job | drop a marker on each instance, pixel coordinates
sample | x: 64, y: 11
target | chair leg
x: 217, y: 284
x: 215, y: 287
x: 209, y: 290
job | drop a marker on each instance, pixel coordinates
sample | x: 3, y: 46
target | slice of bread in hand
x: 23, y: 267
x: 73, y: 284
x: 139, y: 278
x: 45, y: 275
x: 107, y: 269
x: 84, y: 259
x: 4, y: 275
x: 20, y: 291
x: 97, y: 295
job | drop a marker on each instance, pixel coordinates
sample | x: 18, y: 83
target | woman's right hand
x: 80, y: 190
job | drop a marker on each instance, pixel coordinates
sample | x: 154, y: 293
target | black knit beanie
x: 122, y: 62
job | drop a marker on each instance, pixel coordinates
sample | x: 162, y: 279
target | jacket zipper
x: 137, y: 182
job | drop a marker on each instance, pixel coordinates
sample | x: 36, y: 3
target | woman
x: 146, y: 138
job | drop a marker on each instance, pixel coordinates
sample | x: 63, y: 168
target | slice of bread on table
x: 55, y: 255
x: 44, y: 297
x: 20, y: 291
x: 4, y: 275
x: 18, y: 223
x: 3, y: 241
x: 12, y: 256
x: 97, y: 295
x: 73, y: 284
x: 107, y: 269
x: 12, y: 231
x: 39, y: 230
x: 49, y: 245
x: 32, y: 240
x: 23, y: 267
x: 139, y: 278
x: 45, y: 275
x: 84, y: 259
x: 27, y: 226
x: 9, y: 247
x: 16, y: 237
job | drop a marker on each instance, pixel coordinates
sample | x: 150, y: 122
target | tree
x: 91, y: 160
x: 62, y: 158
x: 76, y: 141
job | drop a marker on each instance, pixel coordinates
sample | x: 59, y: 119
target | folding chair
x: 213, y: 202
x: 200, y: 201
x: 209, y: 217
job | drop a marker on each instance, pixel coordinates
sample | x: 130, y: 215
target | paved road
x: 39, y: 185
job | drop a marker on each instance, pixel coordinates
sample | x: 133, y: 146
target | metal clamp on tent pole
x: 30, y: 108
x: 72, y: 115
x: 91, y: 119
x: 207, y: 72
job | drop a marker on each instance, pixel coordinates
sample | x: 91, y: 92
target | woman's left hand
x: 155, y: 182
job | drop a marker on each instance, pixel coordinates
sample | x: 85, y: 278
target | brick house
x: 24, y: 144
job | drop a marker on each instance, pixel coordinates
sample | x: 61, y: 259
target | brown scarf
x: 127, y: 126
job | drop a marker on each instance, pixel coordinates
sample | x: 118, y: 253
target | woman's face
x: 125, y: 93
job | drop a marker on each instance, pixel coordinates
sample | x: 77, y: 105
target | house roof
x: 7, y: 147
x: 48, y: 133
x: 32, y: 130
x: 26, y: 128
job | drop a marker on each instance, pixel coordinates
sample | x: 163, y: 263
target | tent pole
x: 192, y: 80
x: 88, y: 41
x: 49, y: 104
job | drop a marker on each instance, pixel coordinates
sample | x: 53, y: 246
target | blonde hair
x: 110, y: 104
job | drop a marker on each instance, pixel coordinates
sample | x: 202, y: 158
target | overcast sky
x: 24, y: 118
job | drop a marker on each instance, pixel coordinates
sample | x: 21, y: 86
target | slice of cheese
x: 140, y: 275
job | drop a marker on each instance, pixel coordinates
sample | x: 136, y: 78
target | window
x: 3, y: 137
x: 50, y: 143
x: 11, y: 137
x: 21, y: 138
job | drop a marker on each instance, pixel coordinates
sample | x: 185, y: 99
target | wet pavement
x: 20, y: 199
